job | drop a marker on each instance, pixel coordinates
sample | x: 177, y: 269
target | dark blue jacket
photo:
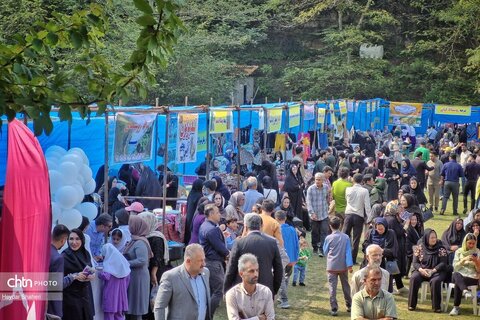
x: 212, y: 240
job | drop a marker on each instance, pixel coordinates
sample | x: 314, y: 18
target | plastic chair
x: 423, y: 294
x: 473, y: 289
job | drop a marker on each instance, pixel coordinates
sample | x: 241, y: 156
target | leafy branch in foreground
x: 34, y: 77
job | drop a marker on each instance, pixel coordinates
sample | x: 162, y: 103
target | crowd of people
x: 242, y: 247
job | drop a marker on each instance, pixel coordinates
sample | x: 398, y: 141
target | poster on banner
x: 320, y: 116
x: 261, y: 120
x: 274, y: 120
x: 202, y: 141
x: 308, y: 111
x: 405, y: 113
x: 333, y: 118
x: 350, y: 106
x: 369, y: 106
x: 133, y: 140
x: 187, y: 138
x: 343, y: 107
x: 221, y: 122
x: 465, y: 111
x: 294, y: 116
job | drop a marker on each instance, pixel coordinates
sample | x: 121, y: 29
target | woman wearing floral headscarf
x: 138, y: 252
x: 452, y: 238
x: 430, y: 263
x: 466, y: 267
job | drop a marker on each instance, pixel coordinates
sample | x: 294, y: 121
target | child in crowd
x: 118, y: 240
x: 300, y: 269
x: 116, y: 277
x: 339, y: 259
x: 290, y: 238
x: 232, y: 228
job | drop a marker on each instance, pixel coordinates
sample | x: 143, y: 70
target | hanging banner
x: 187, y: 138
x: 133, y: 137
x: 333, y: 118
x: 261, y: 120
x: 453, y: 110
x: 350, y: 106
x: 343, y: 107
x: 274, y: 120
x: 405, y: 113
x: 320, y: 116
x: 294, y: 116
x: 202, y: 141
x: 308, y: 111
x: 369, y: 106
x: 221, y: 122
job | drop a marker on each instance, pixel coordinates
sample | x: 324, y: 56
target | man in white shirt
x: 358, y: 208
x: 374, y: 256
x: 249, y: 299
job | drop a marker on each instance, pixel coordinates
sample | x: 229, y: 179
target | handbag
x: 427, y: 214
x: 392, y: 267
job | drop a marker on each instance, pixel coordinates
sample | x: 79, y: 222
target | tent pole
x: 105, y: 170
x: 165, y: 162
x: 155, y: 143
x: 265, y: 135
x: 238, y: 148
x: 69, y: 139
x: 207, y: 156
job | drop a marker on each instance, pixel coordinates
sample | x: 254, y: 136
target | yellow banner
x: 274, y: 120
x: 453, y: 110
x: 221, y: 122
x: 294, y: 116
x: 320, y: 116
x: 333, y: 118
x: 405, y: 113
x: 343, y: 106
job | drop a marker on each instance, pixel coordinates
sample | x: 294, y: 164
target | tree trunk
x: 367, y: 6
x: 340, y: 20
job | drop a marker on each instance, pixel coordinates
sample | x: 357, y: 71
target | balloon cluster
x: 70, y: 180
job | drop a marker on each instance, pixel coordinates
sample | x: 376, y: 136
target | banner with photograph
x: 320, y: 116
x: 453, y: 110
x: 187, y: 138
x: 405, y: 113
x: 308, y: 111
x: 274, y: 120
x: 221, y: 122
x: 133, y: 140
x: 294, y: 116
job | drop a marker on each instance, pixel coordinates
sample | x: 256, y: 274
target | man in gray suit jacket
x: 184, y: 291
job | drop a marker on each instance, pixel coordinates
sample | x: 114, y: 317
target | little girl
x: 118, y: 240
x: 300, y: 268
x: 116, y: 276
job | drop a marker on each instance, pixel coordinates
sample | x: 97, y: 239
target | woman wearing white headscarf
x: 158, y: 243
x: 116, y: 277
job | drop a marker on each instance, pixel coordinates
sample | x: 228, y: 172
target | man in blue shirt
x: 451, y: 173
x: 290, y: 238
x: 97, y: 231
x: 213, y: 242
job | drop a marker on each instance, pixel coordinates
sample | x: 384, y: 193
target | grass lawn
x: 312, y: 302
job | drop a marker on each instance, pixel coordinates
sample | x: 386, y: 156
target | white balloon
x: 52, y: 164
x: 86, y: 172
x: 69, y: 170
x: 66, y: 197
x: 80, y: 193
x: 89, y: 187
x: 71, y: 218
x: 75, y: 158
x: 54, y: 156
x: 80, y: 153
x: 81, y: 180
x: 56, y: 149
x: 88, y: 209
x: 56, y: 180
x: 56, y: 212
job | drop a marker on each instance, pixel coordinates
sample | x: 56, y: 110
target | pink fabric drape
x: 26, y: 219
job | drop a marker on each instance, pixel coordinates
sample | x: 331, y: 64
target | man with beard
x: 374, y: 256
x: 373, y: 302
x: 249, y: 299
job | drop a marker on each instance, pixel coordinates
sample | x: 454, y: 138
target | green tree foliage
x: 37, y: 73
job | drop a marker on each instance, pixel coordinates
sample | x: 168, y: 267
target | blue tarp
x: 91, y: 137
